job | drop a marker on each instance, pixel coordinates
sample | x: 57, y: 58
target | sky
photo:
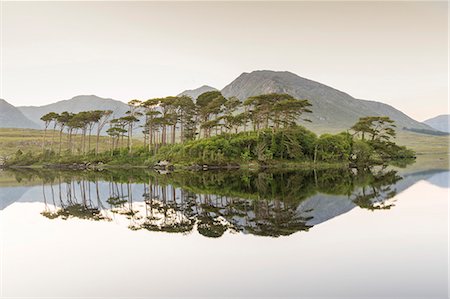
x: 392, y: 52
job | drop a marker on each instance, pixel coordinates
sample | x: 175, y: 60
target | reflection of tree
x: 72, y: 206
x: 275, y: 219
x: 81, y: 211
x: 165, y: 213
x: 377, y: 190
x: 213, y: 202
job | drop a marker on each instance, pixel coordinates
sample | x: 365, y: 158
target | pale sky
x: 392, y: 52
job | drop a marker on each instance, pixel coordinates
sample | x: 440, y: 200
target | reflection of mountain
x: 437, y: 177
x: 322, y: 207
x: 24, y: 194
x: 10, y: 195
x: 265, y: 204
x: 441, y: 179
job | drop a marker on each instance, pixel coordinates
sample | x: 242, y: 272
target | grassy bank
x: 289, y: 148
x: 29, y: 140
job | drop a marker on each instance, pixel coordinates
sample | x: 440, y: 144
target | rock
x: 163, y: 165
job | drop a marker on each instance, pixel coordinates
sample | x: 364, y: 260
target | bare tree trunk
x: 97, y: 141
x: 69, y: 140
x: 84, y: 141
x: 315, y: 154
x: 163, y: 135
x: 131, y: 139
x: 89, y: 140
x: 60, y: 140
x: 150, y: 137
x: 43, y: 139
x: 128, y: 139
x: 145, y: 139
x: 53, y: 137
x: 174, y: 127
x: 181, y: 132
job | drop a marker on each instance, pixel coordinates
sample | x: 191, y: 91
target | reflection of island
x: 258, y: 203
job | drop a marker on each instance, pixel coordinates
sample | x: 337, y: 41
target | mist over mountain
x: 331, y: 107
x: 440, y: 122
x: 11, y: 117
x: 74, y: 105
x: 194, y: 93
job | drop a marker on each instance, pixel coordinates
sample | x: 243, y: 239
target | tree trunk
x: 145, y: 139
x: 60, y: 141
x: 174, y: 127
x: 181, y: 132
x: 150, y: 137
x: 315, y: 154
x: 69, y: 140
x: 128, y: 137
x: 43, y: 140
x: 53, y: 137
x: 163, y: 135
x: 131, y: 139
x: 89, y: 140
x: 97, y: 141
x: 83, y: 141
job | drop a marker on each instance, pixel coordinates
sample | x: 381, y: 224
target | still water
x: 128, y: 234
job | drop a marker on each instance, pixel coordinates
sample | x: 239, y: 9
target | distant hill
x: 194, y: 93
x: 11, y: 117
x: 441, y: 122
x: 331, y: 108
x: 74, y: 105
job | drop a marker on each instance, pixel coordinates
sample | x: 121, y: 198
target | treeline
x: 83, y: 122
x: 210, y: 114
x: 177, y: 119
x: 216, y: 130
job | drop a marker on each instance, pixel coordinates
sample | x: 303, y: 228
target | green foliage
x: 22, y: 159
x: 386, y: 150
x: 361, y: 152
x: 280, y: 110
x: 378, y: 148
x: 379, y: 128
x: 295, y: 143
x: 333, y: 147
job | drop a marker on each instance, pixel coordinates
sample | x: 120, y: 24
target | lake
x: 127, y: 234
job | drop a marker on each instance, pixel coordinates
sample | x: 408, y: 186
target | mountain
x: 331, y: 108
x: 74, y: 105
x: 11, y: 117
x: 194, y: 93
x: 441, y: 122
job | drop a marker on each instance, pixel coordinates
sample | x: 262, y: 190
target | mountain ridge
x: 331, y: 107
x: 75, y: 104
x: 11, y: 117
x: 194, y: 93
x: 440, y: 122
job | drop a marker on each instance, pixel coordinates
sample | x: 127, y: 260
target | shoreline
x: 253, y: 166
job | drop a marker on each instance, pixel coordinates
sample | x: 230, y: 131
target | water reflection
x: 213, y: 202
